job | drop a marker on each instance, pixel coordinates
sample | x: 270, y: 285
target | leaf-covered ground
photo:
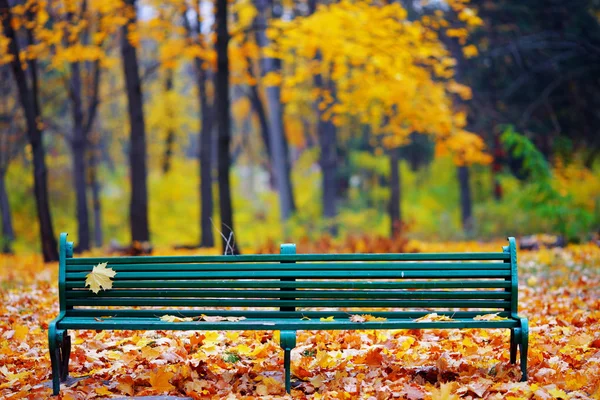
x: 559, y: 292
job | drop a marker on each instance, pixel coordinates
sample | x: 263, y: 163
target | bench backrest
x: 296, y: 285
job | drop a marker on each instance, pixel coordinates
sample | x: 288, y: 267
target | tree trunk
x: 96, y: 204
x: 224, y: 124
x: 277, y: 140
x: 8, y: 233
x: 395, y: 194
x: 170, y: 139
x: 206, y: 134
x: 466, y: 205
x: 138, y: 206
x: 78, y: 147
x: 29, y: 98
x: 259, y: 108
x: 497, y: 157
x: 326, y: 132
x: 205, y: 140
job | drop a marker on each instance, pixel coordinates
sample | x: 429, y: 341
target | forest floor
x: 559, y: 292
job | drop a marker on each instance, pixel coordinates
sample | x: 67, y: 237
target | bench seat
x: 155, y: 323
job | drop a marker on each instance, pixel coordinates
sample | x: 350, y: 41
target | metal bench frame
x: 285, y: 292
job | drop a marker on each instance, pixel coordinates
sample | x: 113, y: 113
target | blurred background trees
x: 281, y: 119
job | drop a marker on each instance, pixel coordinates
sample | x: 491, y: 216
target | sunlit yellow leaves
x: 470, y: 51
x: 446, y: 391
x: 272, y: 79
x: 100, y: 278
x: 160, y: 380
x: 5, y: 58
x: 20, y: 332
x: 463, y: 91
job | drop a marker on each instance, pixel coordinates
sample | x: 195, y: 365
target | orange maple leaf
x: 160, y: 380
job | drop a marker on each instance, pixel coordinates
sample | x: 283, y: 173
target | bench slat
x: 357, y: 266
x: 497, y: 304
x: 348, y: 284
x: 300, y: 294
x: 272, y: 324
x: 396, y: 274
x: 97, y: 313
x: 291, y: 258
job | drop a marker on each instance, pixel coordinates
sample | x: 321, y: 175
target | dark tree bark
x: 327, y: 133
x: 205, y: 140
x: 170, y: 139
x: 8, y: 233
x: 277, y: 139
x: 138, y: 206
x: 78, y: 147
x: 96, y: 204
x: 395, y: 198
x: 29, y: 98
x: 224, y: 128
x: 466, y: 205
x: 94, y: 155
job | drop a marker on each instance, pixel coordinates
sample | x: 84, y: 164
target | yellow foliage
x: 376, y: 79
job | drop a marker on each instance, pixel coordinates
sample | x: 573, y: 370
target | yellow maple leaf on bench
x: 99, y: 278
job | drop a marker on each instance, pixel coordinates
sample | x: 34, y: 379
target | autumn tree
x: 398, y: 80
x: 138, y: 206
x: 76, y: 41
x: 20, y: 25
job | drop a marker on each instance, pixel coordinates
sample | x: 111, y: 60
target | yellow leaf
x: 558, y: 394
x: 366, y: 318
x: 99, y: 278
x: 103, y: 391
x: 433, y: 317
x: 444, y: 392
x: 160, y: 380
x: 328, y: 319
x: 489, y: 317
x: 21, y: 332
x: 172, y: 318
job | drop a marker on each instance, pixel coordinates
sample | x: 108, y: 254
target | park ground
x: 559, y: 292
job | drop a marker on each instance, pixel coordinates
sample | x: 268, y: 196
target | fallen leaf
x: 21, y: 332
x: 159, y: 380
x: 172, y: 318
x: 99, y: 278
x: 217, y: 318
x: 103, y: 391
x: 433, y: 317
x: 328, y: 319
x: 489, y: 317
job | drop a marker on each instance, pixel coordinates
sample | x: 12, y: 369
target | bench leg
x: 524, y: 347
x: 287, y: 340
x: 59, y: 344
x: 514, y: 343
x: 65, y: 351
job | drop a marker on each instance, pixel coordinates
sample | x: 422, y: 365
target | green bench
x: 288, y: 292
